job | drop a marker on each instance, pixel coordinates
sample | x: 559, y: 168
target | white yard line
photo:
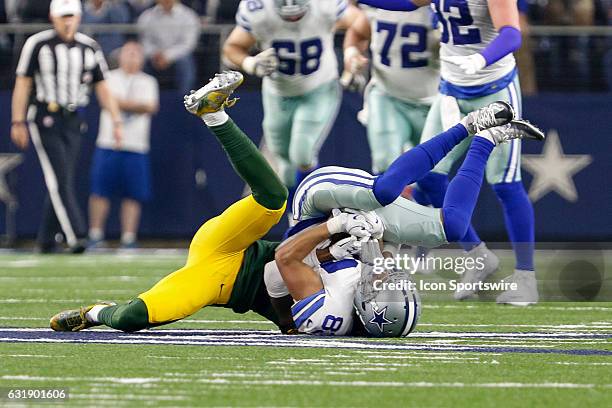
x: 224, y: 381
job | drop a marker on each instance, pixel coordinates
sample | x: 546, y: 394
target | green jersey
x: 249, y: 291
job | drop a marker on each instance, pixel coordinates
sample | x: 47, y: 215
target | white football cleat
x: 490, y: 263
x: 214, y: 96
x: 494, y: 114
x: 526, y: 292
x: 516, y: 129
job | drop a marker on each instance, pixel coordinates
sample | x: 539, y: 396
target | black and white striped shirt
x: 63, y: 72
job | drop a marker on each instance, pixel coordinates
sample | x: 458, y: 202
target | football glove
x: 355, y: 66
x: 345, y: 248
x: 354, y: 224
x: 376, y: 225
x: 262, y: 64
x: 469, y: 64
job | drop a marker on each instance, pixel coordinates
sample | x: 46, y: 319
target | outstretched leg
x: 463, y: 190
x: 416, y: 163
x: 220, y: 243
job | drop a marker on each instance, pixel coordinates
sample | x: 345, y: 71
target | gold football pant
x: 215, y: 257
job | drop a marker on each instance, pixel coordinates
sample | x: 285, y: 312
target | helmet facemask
x: 291, y: 10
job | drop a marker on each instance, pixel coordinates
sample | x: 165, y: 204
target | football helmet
x: 291, y: 10
x: 386, y: 301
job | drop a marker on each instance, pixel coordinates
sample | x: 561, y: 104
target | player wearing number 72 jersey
x: 300, y: 90
x: 477, y: 41
x: 405, y: 77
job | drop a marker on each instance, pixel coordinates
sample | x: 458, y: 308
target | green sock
x: 250, y: 164
x: 128, y: 317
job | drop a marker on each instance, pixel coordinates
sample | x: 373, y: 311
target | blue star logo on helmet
x: 379, y: 319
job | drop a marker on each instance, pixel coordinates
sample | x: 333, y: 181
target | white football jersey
x: 305, y: 48
x: 329, y: 312
x: 466, y: 28
x: 401, y: 54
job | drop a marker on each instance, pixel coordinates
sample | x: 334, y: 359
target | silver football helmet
x: 384, y: 311
x: 291, y: 10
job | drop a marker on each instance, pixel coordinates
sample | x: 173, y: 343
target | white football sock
x: 487, y: 135
x: 92, y: 315
x: 215, y: 118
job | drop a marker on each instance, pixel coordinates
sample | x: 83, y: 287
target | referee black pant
x: 56, y: 136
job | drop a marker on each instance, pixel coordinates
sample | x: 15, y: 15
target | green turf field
x: 472, y: 354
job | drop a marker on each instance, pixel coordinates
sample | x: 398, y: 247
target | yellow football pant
x: 215, y: 256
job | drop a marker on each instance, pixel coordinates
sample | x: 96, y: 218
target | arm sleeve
x: 393, y: 5
x: 508, y: 40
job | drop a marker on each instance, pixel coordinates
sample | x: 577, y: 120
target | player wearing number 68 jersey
x: 405, y: 77
x: 300, y: 90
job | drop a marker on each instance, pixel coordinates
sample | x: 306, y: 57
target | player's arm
x: 349, y: 16
x: 19, y: 105
x: 505, y: 16
x: 236, y: 51
x: 356, y: 41
x: 301, y: 280
x: 396, y: 5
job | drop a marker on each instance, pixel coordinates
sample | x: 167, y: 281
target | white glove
x: 469, y: 64
x: 354, y: 224
x: 376, y: 225
x: 262, y: 64
x: 354, y: 82
x: 345, y: 248
x: 355, y: 65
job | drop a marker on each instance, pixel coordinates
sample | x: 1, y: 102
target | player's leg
x: 217, y: 250
x: 277, y: 125
x: 386, y: 129
x: 314, y: 117
x: 416, y: 163
x: 504, y: 174
x: 463, y: 190
x: 433, y: 185
x: 337, y: 187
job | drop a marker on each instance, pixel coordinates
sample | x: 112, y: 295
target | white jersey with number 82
x: 466, y: 28
x: 330, y: 311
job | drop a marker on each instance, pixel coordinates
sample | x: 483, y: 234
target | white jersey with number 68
x: 305, y: 48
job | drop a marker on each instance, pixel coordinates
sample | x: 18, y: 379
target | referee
x: 58, y: 68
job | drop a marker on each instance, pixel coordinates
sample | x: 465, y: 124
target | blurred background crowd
x: 572, y: 51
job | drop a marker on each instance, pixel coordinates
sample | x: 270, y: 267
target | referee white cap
x: 60, y: 8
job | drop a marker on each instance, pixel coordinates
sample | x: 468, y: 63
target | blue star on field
x: 380, y: 320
